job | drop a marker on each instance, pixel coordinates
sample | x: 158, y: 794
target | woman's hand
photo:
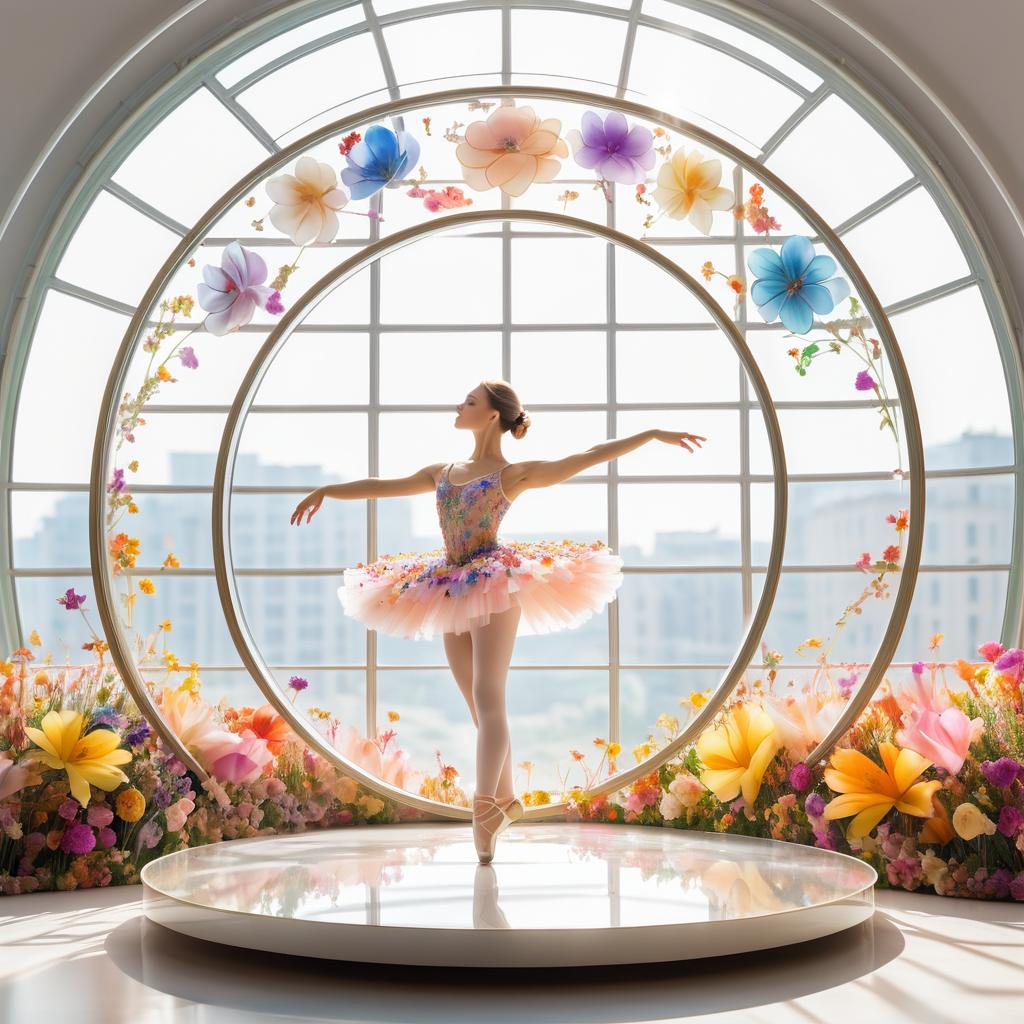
x: 675, y: 437
x: 311, y: 503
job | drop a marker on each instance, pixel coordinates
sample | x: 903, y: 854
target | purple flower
x: 814, y: 805
x: 847, y: 683
x: 77, y: 838
x: 823, y: 839
x: 106, y: 715
x: 617, y: 152
x: 188, y: 357
x: 106, y: 837
x: 1001, y: 773
x: 1017, y: 887
x: 864, y: 381
x: 162, y: 797
x: 800, y: 777
x: 116, y: 481
x: 1009, y: 821
x: 137, y: 735
x: 71, y: 600
x: 69, y: 809
x: 274, y: 304
x: 232, y: 292
x: 917, y: 668
x: 1011, y: 662
x: 297, y: 683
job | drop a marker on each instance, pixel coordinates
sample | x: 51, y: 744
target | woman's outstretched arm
x: 419, y: 482
x: 544, y: 473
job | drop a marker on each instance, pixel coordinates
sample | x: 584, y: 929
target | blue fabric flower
x: 794, y: 284
x: 377, y: 159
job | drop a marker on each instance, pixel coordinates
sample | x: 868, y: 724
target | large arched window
x: 596, y: 343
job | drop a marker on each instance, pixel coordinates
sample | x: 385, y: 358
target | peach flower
x: 511, y: 150
x: 688, y: 185
x: 305, y: 202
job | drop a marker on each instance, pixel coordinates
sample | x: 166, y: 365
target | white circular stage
x: 556, y: 895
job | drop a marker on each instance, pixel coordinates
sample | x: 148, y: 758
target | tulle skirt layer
x: 415, y: 595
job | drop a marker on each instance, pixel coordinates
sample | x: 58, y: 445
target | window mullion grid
x: 614, y: 647
x: 373, y: 462
x: 746, y: 574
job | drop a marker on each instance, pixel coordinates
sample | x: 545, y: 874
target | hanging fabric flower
x: 688, y: 185
x: 511, y: 150
x: 379, y: 160
x: 795, y: 284
x: 305, y: 202
x: 232, y: 292
x: 615, y: 151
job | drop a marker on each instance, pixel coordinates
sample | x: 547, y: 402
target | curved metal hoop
x: 227, y: 584
x: 119, y: 650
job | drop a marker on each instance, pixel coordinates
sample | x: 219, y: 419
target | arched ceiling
x: 70, y: 67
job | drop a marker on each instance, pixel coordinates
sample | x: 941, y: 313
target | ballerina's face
x: 475, y: 412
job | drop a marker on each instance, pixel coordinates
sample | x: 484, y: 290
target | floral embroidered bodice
x: 470, y: 514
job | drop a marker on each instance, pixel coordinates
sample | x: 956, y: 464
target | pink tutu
x: 557, y: 584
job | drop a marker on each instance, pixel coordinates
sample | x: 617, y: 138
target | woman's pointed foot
x: 489, y: 818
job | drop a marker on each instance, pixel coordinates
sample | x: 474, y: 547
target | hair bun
x: 521, y: 416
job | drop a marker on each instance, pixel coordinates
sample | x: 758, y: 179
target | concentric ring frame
x: 119, y: 650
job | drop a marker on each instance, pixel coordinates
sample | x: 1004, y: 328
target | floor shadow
x: 215, y: 975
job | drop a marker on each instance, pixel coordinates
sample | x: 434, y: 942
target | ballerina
x: 478, y: 591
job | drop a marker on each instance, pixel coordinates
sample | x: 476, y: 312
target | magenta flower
x: 106, y: 837
x: 864, y: 381
x: 297, y: 683
x: 615, y: 151
x: 69, y: 809
x: 274, y: 304
x: 78, y: 838
x: 1010, y: 819
x: 800, y: 777
x: 917, y: 668
x: 1010, y: 663
x: 1003, y: 772
x: 232, y: 293
x: 99, y: 815
x: 71, y: 600
x: 188, y: 358
x: 239, y: 759
x: 814, y: 805
x: 116, y: 481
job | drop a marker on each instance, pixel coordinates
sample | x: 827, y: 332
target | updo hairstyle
x: 511, y: 414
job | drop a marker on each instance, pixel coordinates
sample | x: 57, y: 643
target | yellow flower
x: 935, y: 640
x: 613, y: 749
x: 86, y: 759
x: 305, y: 203
x: 870, y: 792
x: 146, y: 585
x: 132, y: 507
x: 33, y: 639
x: 667, y: 722
x: 698, y: 700
x: 737, y: 753
x: 134, y: 465
x: 688, y: 185
x: 393, y: 716
x: 171, y: 562
x: 370, y: 804
x: 130, y: 805
x: 165, y: 625
x: 970, y: 823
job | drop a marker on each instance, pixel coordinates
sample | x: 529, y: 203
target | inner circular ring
x: 227, y: 454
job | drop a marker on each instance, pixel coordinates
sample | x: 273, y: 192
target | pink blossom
x: 178, y: 813
x: 240, y: 759
x: 99, y: 815
x: 991, y: 649
x: 943, y: 738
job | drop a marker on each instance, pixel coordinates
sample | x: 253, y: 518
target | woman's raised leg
x: 458, y: 648
x: 492, y: 652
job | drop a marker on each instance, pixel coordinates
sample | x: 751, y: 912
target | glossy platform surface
x: 557, y: 894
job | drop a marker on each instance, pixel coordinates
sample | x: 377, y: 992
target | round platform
x: 556, y: 895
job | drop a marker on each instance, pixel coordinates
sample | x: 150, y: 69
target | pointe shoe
x: 513, y: 807
x: 489, y: 818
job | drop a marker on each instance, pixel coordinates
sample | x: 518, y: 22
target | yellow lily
x: 737, y: 753
x: 870, y: 792
x: 688, y: 186
x: 87, y: 759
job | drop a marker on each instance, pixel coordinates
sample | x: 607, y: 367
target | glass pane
x: 284, y: 43
x: 966, y: 607
x: 559, y: 280
x: 590, y: 202
x: 64, y: 379
x: 63, y: 632
x: 679, y: 524
x: 469, y: 40
x: 237, y: 688
x: 907, y: 248
x: 418, y: 368
x: 679, y: 617
x: 409, y: 290
x: 644, y: 695
x: 50, y: 529
x: 578, y: 511
x: 157, y: 168
x: 553, y: 435
x: 97, y: 257
x: 828, y: 523
x: 296, y: 448
x: 720, y: 453
x: 837, y: 189
x: 341, y: 692
x: 672, y: 73
x: 559, y: 366
x: 975, y: 432
x: 317, y: 368
x: 341, y: 73
x: 407, y: 524
x: 646, y: 294
x: 586, y: 644
x: 412, y: 440
x: 399, y: 210
x: 540, y: 54
x: 826, y: 441
x: 299, y: 620
x: 262, y: 534
x: 675, y: 366
x: 969, y: 520
x: 177, y: 524
x: 808, y: 604
x: 175, y: 448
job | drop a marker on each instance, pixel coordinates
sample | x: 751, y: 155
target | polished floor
x: 557, y: 895
x: 93, y: 955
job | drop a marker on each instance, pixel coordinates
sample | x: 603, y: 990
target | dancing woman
x: 477, y: 591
